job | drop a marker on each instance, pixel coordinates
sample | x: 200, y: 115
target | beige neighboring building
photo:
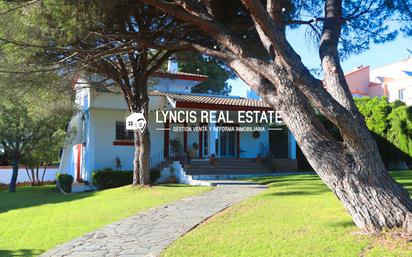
x: 393, y: 81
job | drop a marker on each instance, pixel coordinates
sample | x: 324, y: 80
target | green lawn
x: 35, y: 219
x: 296, y: 216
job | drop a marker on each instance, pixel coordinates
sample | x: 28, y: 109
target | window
x: 401, y: 94
x: 122, y: 133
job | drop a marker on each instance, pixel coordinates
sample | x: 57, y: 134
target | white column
x: 291, y: 146
x: 212, y: 139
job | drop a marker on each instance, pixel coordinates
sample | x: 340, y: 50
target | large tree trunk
x: 353, y: 171
x: 136, y: 174
x: 141, y: 172
x: 360, y: 181
x: 141, y: 162
x: 371, y: 195
x: 12, y: 186
x: 144, y: 158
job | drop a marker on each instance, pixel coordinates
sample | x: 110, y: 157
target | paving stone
x: 147, y: 233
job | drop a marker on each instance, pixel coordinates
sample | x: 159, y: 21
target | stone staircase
x: 226, y: 168
x: 162, y: 165
x: 78, y: 187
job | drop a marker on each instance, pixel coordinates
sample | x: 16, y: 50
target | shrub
x: 108, y: 178
x: 65, y: 182
x: 391, y: 126
x: 154, y: 175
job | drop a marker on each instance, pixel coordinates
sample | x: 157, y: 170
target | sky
x: 377, y: 56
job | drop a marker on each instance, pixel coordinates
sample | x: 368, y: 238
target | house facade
x: 102, y: 141
x: 393, y: 81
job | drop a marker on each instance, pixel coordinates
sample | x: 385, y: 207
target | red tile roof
x: 200, y: 101
x: 179, y: 75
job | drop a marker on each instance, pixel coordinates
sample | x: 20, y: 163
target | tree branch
x: 19, y: 7
x: 159, y: 61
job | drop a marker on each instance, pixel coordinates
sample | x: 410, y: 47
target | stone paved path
x: 149, y: 232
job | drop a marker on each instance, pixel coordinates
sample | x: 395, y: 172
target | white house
x: 102, y: 140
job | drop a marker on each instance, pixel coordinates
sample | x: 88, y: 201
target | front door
x: 205, y: 144
x: 227, y: 144
x: 77, y: 162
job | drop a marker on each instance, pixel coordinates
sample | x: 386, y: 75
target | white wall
x: 252, y: 145
x: 75, y: 123
x: 395, y: 86
x: 104, y: 130
x: 174, y: 85
x: 116, y: 101
x: 394, y: 70
x: 5, y: 175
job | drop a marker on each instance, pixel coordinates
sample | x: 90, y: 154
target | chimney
x: 172, y: 66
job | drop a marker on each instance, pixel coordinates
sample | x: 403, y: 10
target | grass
x: 34, y: 219
x: 297, y: 216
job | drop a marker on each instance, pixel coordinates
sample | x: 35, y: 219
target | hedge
x: 108, y: 178
x: 154, y: 175
x: 65, y: 182
x: 391, y: 126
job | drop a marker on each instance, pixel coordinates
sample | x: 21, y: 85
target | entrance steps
x: 78, y: 187
x: 226, y: 169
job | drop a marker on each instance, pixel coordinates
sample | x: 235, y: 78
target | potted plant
x: 176, y: 148
x: 195, y: 148
x: 213, y: 160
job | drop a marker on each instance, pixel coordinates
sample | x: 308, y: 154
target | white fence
x: 6, y: 172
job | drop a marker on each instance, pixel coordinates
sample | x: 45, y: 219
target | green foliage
x: 33, y: 118
x: 65, y: 182
x: 375, y: 111
x: 154, y: 175
x: 108, y: 178
x: 175, y: 145
x: 391, y: 125
x: 217, y: 72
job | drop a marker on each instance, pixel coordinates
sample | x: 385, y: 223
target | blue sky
x: 376, y: 56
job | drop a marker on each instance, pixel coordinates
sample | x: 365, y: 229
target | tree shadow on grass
x: 296, y: 185
x: 343, y: 224
x: 407, y: 185
x: 25, y: 197
x: 20, y: 252
x: 173, y: 185
x: 271, y: 181
x: 299, y: 192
